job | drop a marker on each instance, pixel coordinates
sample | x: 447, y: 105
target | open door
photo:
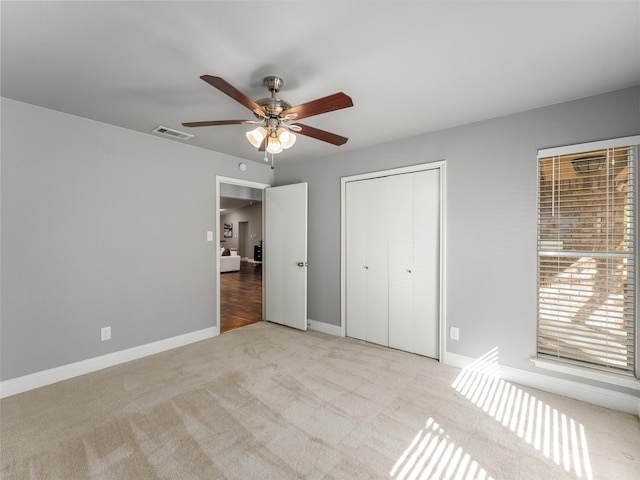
x: 285, y: 255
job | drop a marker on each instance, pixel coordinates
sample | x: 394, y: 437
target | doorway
x: 243, y: 239
x: 241, y: 297
x: 239, y: 285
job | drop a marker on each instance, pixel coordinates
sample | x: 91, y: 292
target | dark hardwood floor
x: 241, y: 297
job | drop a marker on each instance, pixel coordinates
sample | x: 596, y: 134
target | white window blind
x: 586, y: 257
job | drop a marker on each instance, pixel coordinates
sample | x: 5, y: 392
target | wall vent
x: 169, y: 132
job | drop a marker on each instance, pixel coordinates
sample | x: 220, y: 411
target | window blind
x: 586, y: 258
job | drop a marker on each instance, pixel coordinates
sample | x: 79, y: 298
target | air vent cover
x: 169, y: 132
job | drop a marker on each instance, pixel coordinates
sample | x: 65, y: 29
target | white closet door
x: 392, y: 261
x: 426, y: 258
x: 355, y: 246
x: 401, y: 290
x: 414, y: 262
x: 366, y: 261
x: 377, y: 262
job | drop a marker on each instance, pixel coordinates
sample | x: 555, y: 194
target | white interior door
x: 285, y: 255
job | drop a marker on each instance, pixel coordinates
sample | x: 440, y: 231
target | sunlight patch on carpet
x: 551, y: 432
x: 432, y: 454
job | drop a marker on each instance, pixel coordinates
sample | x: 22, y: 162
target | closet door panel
x: 356, y: 278
x: 426, y: 278
x: 377, y: 264
x: 401, y: 291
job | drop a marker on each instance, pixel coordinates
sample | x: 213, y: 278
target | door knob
x: 366, y: 267
x: 408, y: 270
x: 302, y: 264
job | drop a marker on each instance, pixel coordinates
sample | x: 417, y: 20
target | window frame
x: 577, y: 368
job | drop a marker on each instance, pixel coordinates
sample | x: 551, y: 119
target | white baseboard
x: 47, y: 377
x: 568, y: 388
x: 324, y: 328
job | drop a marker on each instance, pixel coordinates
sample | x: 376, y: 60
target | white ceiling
x: 410, y: 66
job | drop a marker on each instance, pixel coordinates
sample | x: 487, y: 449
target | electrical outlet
x: 454, y: 333
x: 105, y: 333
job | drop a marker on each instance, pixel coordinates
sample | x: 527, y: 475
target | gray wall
x: 490, y: 219
x: 102, y: 226
x: 251, y: 214
x: 105, y: 226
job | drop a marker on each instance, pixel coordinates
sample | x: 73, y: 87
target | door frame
x: 438, y: 165
x: 243, y: 183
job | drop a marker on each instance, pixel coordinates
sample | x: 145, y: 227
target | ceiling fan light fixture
x: 256, y: 136
x: 274, y: 146
x: 287, y: 139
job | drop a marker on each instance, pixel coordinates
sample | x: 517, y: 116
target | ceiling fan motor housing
x: 273, y: 106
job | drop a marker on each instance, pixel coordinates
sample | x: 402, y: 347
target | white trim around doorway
x: 242, y: 183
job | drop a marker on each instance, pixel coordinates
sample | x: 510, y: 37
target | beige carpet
x: 268, y: 402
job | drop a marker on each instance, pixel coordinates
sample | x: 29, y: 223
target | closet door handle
x: 302, y: 264
x: 408, y: 270
x: 366, y: 267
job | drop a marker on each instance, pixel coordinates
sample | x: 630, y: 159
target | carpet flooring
x: 269, y: 402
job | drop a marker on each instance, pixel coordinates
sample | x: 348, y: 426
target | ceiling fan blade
x: 333, y: 102
x: 321, y: 134
x: 228, y: 89
x: 220, y: 122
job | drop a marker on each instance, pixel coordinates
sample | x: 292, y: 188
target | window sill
x: 604, y: 377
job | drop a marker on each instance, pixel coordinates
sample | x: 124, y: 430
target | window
x: 586, y: 255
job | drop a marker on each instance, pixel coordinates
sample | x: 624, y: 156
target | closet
x: 392, y: 260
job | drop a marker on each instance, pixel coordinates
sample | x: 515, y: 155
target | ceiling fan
x: 277, y: 118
